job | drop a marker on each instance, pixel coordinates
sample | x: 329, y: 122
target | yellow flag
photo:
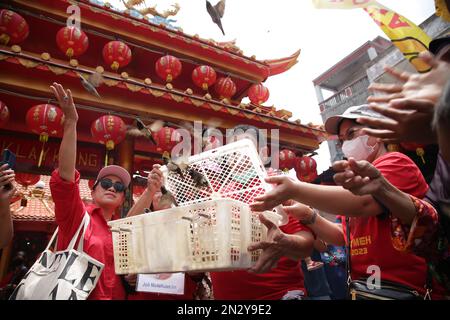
x: 409, y: 38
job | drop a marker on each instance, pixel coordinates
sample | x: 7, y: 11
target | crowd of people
x: 389, y: 217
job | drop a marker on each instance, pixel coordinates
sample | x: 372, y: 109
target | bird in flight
x: 216, y: 12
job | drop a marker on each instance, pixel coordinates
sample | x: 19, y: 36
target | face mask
x: 358, y: 148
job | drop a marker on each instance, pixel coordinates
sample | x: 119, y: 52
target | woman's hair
x: 442, y: 109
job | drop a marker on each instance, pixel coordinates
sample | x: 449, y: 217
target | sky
x: 276, y: 29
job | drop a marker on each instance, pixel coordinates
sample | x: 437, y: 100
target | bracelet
x: 311, y: 220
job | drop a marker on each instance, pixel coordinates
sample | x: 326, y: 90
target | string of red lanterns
x: 13, y: 27
x: 258, y: 94
x: 108, y: 130
x: 204, y: 77
x: 168, y: 68
x: 225, y: 88
x: 306, y: 169
x: 116, y: 54
x: 72, y: 41
x: 45, y: 120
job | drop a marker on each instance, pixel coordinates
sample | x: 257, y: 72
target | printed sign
x: 167, y: 283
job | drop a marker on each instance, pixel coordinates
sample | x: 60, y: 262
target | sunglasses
x: 107, y: 183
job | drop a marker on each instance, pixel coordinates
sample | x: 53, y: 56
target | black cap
x: 437, y: 44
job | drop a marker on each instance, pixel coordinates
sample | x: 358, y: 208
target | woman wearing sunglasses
x: 107, y: 195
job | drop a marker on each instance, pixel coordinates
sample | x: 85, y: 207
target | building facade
x: 348, y: 80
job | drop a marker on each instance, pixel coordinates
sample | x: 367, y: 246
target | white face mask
x: 358, y: 148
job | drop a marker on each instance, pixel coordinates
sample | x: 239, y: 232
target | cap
x: 353, y: 113
x: 438, y: 43
x: 117, y: 171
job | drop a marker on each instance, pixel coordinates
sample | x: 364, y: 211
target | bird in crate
x: 178, y: 166
x: 167, y: 199
x: 199, y: 179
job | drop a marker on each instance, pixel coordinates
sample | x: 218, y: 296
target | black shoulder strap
x: 348, y: 251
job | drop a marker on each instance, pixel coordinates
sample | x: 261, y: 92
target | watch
x: 311, y: 220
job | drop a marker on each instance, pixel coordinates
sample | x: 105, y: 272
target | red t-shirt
x: 371, y: 242
x: 189, y: 290
x: 241, y: 285
x: 69, y: 212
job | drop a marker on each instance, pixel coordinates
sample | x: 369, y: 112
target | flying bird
x: 216, y: 12
x: 143, y: 130
x: 93, y: 81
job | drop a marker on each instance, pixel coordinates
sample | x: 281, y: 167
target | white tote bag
x: 64, y: 275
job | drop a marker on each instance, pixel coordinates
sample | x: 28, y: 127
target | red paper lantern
x: 258, y: 94
x: 417, y: 147
x: 45, y: 120
x: 226, y: 88
x: 117, y: 54
x: 13, y: 27
x: 286, y: 160
x: 110, y: 131
x: 306, y: 169
x: 72, y: 41
x: 168, y: 68
x: 27, y: 179
x: 4, y: 114
x: 166, y: 139
x: 204, y: 77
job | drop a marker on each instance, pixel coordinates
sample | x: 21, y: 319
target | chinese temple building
x: 149, y: 69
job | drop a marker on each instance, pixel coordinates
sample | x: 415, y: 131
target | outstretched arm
x: 331, y: 199
x: 362, y: 178
x: 68, y: 147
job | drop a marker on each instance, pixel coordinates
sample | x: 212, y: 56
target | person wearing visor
x: 370, y: 221
x: 108, y: 194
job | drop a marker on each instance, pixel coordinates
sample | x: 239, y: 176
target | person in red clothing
x: 277, y: 274
x: 150, y: 198
x: 371, y: 215
x: 107, y: 195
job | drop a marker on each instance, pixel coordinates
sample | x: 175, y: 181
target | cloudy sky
x: 275, y: 29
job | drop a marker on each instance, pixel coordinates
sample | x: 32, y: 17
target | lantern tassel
x: 106, y: 158
x: 43, y: 138
x: 41, y: 155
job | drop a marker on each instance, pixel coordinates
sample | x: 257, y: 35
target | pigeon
x: 199, y: 179
x: 167, y: 199
x: 175, y: 166
x: 143, y: 130
x: 93, y: 81
x: 216, y: 12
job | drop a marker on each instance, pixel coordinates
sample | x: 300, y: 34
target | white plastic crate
x: 211, y: 228
x: 209, y: 236
x: 234, y: 171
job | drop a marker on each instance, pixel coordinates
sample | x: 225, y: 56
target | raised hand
x: 425, y: 86
x: 155, y: 179
x: 65, y: 101
x: 408, y: 120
